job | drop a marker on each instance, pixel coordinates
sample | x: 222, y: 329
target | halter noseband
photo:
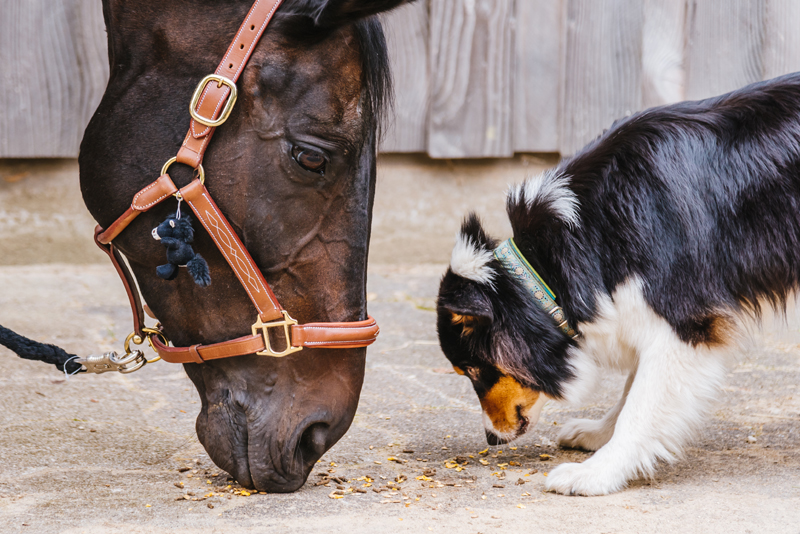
x: 211, y: 105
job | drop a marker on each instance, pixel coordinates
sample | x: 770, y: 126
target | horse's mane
x: 376, y: 72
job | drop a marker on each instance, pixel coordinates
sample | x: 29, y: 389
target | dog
x: 648, y: 252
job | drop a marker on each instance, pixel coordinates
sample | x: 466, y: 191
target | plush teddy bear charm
x: 176, y: 233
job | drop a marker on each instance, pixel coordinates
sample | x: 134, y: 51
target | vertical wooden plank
x: 470, y: 51
x: 602, y: 67
x: 724, y: 44
x: 407, y: 36
x: 91, y: 46
x: 537, y: 75
x: 53, y: 53
x: 781, y: 38
x: 663, y: 75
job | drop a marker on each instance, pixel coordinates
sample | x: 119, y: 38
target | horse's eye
x: 309, y: 159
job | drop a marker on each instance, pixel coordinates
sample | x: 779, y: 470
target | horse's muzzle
x: 267, y: 426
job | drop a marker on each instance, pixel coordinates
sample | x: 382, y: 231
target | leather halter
x: 211, y: 104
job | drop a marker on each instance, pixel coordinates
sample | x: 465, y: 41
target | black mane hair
x: 700, y: 200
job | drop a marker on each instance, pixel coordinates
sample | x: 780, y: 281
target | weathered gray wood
x: 663, y: 75
x: 537, y: 76
x: 781, y: 38
x: 470, y: 51
x: 474, y: 78
x: 602, y: 69
x: 54, y: 72
x: 724, y: 46
x: 407, y: 36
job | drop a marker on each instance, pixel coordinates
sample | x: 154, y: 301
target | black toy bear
x: 176, y: 234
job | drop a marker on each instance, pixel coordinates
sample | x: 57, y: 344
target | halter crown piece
x: 210, y: 107
x: 518, y: 267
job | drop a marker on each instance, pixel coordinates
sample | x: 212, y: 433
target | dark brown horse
x: 293, y: 169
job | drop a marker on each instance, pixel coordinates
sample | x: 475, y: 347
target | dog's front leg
x: 670, y: 394
x: 591, y: 434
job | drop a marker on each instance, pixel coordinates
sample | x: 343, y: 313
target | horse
x: 293, y: 169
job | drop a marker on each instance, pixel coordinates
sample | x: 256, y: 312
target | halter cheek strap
x: 215, y: 96
x: 211, y: 105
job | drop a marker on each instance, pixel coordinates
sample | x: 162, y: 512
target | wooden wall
x: 473, y: 78
x: 507, y: 76
x: 53, y: 74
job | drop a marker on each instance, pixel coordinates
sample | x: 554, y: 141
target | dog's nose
x: 494, y: 439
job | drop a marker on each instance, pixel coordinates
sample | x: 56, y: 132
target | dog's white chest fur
x: 670, y: 386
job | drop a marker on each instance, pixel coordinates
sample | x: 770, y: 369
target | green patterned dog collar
x: 517, y: 266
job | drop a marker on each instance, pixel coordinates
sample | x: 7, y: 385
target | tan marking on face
x: 500, y: 403
x: 467, y: 322
x: 458, y: 370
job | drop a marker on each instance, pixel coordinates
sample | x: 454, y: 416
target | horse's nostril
x: 313, y: 442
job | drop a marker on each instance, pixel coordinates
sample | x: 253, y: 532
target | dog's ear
x: 465, y: 300
x: 330, y: 13
x: 472, y: 230
x: 472, y: 257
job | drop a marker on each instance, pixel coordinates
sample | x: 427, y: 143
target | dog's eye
x: 472, y: 372
x: 310, y: 159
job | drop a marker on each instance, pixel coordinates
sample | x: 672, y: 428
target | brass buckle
x: 221, y: 80
x: 286, y: 323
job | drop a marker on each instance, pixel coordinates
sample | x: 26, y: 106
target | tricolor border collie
x: 643, y: 253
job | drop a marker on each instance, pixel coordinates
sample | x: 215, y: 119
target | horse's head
x: 293, y: 169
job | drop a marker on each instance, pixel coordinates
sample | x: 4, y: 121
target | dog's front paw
x: 585, y: 479
x: 586, y: 434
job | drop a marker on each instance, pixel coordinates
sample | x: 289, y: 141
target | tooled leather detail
x: 233, y: 252
x: 232, y: 249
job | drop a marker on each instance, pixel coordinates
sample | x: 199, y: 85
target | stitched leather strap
x: 197, y: 196
x: 145, y: 199
x: 316, y: 335
x: 335, y: 335
x: 214, y: 96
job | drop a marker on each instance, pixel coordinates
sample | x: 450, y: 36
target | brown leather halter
x: 211, y: 105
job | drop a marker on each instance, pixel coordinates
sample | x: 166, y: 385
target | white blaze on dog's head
x: 551, y: 190
x: 471, y: 261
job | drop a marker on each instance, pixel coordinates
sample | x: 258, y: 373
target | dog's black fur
x: 700, y: 201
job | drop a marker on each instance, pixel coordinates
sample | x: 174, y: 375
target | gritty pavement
x: 118, y: 453
x: 103, y: 454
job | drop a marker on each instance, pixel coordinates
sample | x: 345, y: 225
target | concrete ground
x: 106, y: 454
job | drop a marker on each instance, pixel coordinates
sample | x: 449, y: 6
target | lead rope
x: 29, y: 349
x: 71, y: 364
